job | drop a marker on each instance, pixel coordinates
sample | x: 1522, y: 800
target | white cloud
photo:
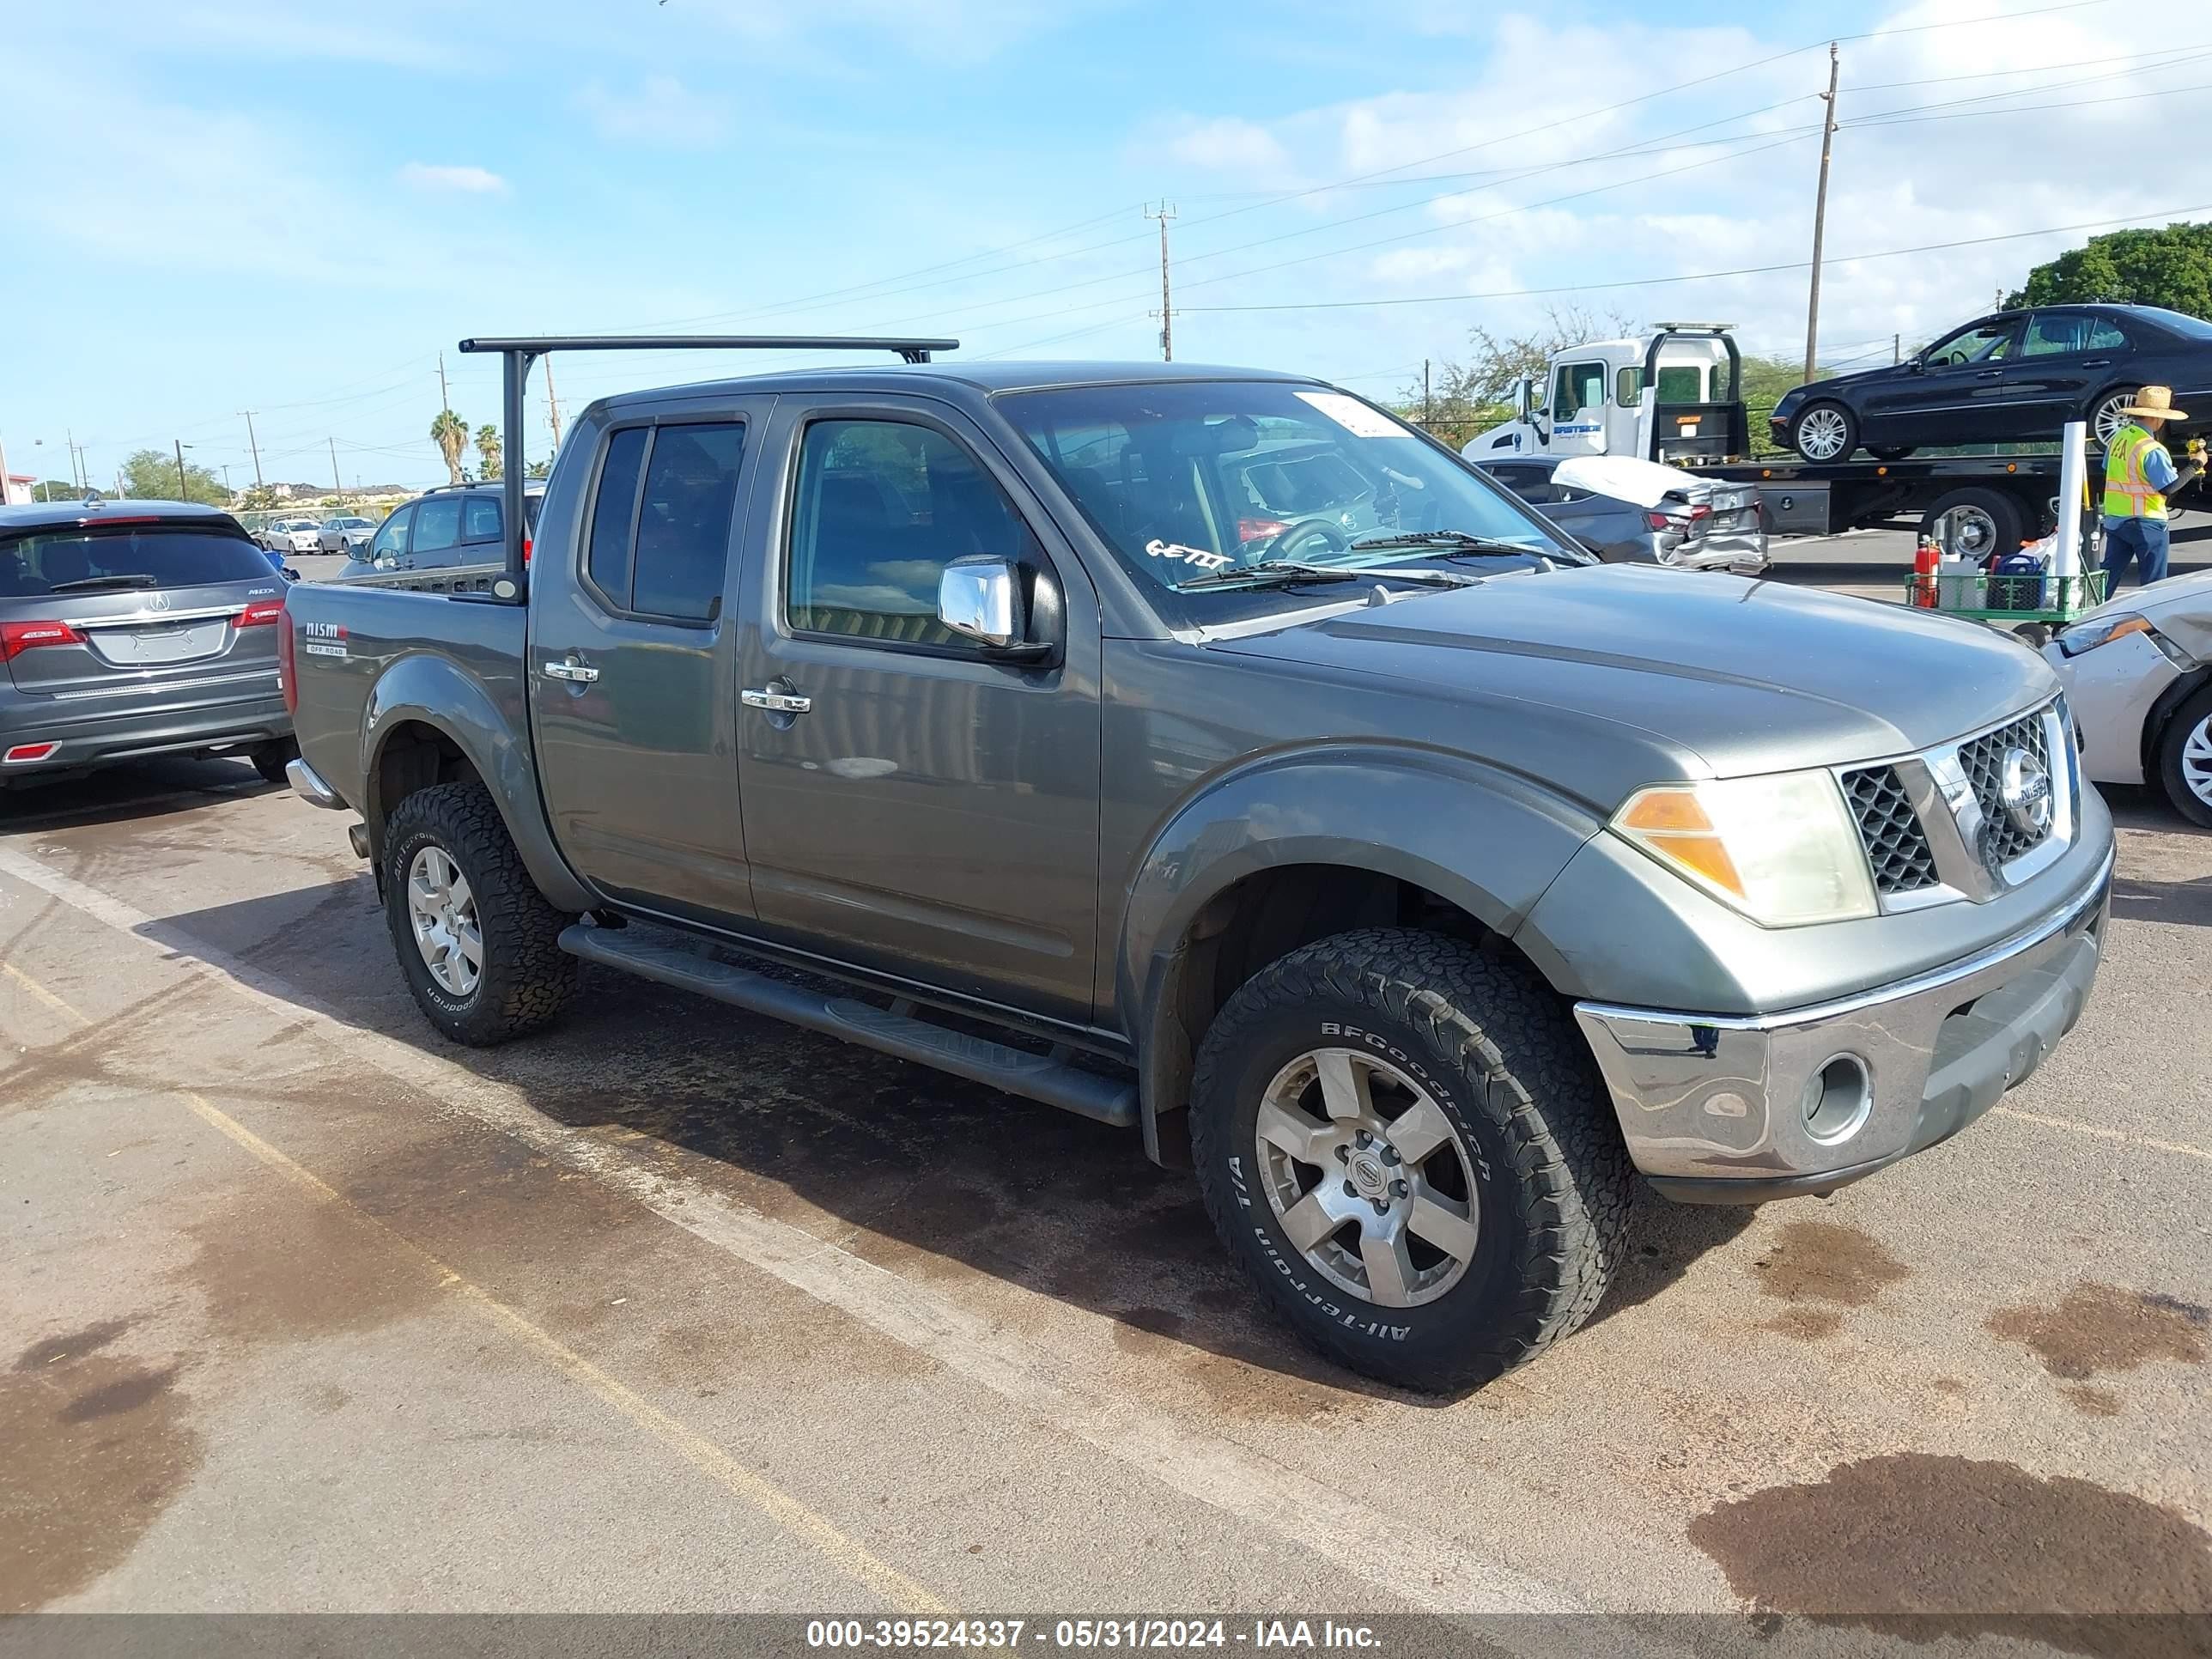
x: 471, y: 180
x: 1230, y: 145
x: 663, y: 110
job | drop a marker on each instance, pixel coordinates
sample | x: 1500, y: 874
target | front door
x: 1959, y: 396
x: 633, y: 658
x: 911, y: 803
x: 1578, y: 409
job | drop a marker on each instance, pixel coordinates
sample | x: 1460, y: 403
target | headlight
x: 1782, y: 849
x: 2088, y: 636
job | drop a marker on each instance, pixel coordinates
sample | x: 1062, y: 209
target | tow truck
x: 1676, y: 396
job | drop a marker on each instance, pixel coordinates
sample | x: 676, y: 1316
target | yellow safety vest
x: 2128, y: 491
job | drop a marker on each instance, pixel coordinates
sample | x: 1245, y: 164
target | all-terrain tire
x: 1494, y: 1048
x: 270, y: 759
x: 528, y: 979
x: 2176, y: 764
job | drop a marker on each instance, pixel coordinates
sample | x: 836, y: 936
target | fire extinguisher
x: 1924, y: 560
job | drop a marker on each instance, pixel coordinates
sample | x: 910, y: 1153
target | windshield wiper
x: 1284, y: 571
x: 1457, y: 540
x: 87, y: 584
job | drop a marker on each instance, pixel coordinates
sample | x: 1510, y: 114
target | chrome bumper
x: 1742, y: 1109
x: 307, y: 784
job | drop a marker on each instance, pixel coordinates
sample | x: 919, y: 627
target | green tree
x: 450, y: 433
x: 259, y: 498
x: 57, y: 489
x: 152, y: 474
x: 491, y: 464
x: 537, y: 469
x: 2172, y: 267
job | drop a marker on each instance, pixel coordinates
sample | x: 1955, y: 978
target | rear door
x: 633, y: 661
x: 126, y: 615
x: 2065, y: 356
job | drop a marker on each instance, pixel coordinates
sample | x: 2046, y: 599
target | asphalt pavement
x: 675, y: 1309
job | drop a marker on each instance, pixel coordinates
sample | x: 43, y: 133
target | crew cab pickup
x: 1208, y: 753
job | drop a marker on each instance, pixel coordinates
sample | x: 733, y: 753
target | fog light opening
x: 1837, y: 1099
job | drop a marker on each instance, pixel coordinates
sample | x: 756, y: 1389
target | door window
x: 391, y: 539
x: 1985, y: 343
x: 660, y: 526
x: 480, y: 519
x: 2106, y: 334
x: 1579, y: 386
x: 437, y: 526
x: 883, y: 507
x: 1531, y: 484
x: 614, y: 510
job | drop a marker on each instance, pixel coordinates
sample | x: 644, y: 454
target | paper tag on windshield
x: 1353, y: 416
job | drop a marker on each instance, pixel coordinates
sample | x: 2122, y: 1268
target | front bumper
x: 1737, y: 1110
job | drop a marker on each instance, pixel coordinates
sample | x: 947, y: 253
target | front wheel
x: 1824, y: 432
x: 1406, y: 1147
x: 479, y: 943
x: 2185, y: 759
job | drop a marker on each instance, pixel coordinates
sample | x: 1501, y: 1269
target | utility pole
x: 552, y: 408
x: 1896, y: 348
x: 69, y: 437
x: 445, y: 401
x: 252, y: 445
x: 338, y: 485
x: 1167, y: 310
x: 1820, y: 221
x: 184, y: 488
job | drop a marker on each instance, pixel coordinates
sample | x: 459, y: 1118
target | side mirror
x: 1524, y: 398
x: 979, y: 598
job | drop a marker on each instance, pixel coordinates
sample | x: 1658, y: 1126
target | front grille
x: 1896, y: 846
x: 1983, y: 761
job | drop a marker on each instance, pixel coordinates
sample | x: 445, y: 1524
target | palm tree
x: 489, y: 461
x: 450, y: 433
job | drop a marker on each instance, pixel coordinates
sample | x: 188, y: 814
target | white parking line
x: 2101, y: 1133
x: 1430, y: 1572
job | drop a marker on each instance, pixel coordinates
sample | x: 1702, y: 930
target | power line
x: 1698, y: 276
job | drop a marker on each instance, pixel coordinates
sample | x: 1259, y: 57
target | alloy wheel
x: 2106, y: 419
x: 2197, y: 760
x: 1820, y: 434
x: 443, y: 912
x: 1368, y: 1177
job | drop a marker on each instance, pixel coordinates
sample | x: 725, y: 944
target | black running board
x: 701, y: 968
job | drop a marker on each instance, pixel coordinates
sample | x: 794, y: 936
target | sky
x: 213, y: 206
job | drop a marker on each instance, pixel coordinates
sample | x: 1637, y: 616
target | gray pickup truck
x: 1206, y: 751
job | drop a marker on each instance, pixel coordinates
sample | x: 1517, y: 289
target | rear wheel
x: 2104, y: 415
x: 1824, y: 432
x: 1974, y: 524
x: 2185, y: 759
x: 1405, y: 1146
x: 270, y: 759
x: 479, y: 943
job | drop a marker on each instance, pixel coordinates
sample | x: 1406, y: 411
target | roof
x: 50, y: 515
x: 988, y: 378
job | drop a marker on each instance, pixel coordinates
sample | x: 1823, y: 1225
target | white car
x: 344, y: 534
x: 2138, y: 674
x: 291, y: 535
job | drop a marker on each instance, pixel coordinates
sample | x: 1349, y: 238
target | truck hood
x: 1725, y: 676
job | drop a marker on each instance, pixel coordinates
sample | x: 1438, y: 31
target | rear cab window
x: 659, y: 540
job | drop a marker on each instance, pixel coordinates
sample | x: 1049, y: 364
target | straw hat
x: 2157, y: 402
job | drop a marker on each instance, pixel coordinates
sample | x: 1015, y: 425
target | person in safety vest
x: 2139, y: 475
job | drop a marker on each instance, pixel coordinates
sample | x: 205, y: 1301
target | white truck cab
x: 1676, y: 396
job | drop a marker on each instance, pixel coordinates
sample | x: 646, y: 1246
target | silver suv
x: 136, y: 628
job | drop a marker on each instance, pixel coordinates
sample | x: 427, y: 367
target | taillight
x: 17, y: 637
x: 525, y: 550
x: 288, y: 671
x: 1260, y: 529
x: 1681, y: 522
x: 261, y: 612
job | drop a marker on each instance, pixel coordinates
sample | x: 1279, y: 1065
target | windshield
x: 155, y: 556
x: 1193, y: 482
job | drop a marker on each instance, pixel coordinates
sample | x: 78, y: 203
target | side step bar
x: 700, y: 968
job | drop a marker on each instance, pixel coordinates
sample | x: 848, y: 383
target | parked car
x: 2138, y: 677
x: 1417, y: 892
x: 291, y: 535
x: 346, y: 533
x: 2011, y: 377
x: 136, y: 628
x: 448, y: 540
x: 1626, y: 509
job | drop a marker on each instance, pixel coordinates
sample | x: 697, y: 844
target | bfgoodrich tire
x: 479, y: 943
x: 1406, y: 1147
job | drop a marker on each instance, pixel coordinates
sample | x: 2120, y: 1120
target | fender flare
x: 428, y: 691
x: 1484, y: 840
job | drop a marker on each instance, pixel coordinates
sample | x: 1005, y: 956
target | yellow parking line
x: 687, y: 1442
x: 40, y: 993
x: 2102, y: 1132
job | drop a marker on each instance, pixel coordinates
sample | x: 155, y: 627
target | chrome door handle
x: 780, y: 702
x: 2096, y: 362
x: 581, y: 673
